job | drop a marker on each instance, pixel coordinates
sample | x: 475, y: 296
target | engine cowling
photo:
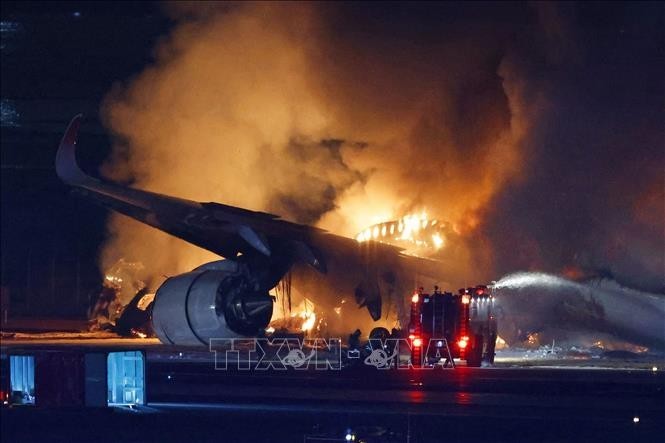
x: 194, y: 307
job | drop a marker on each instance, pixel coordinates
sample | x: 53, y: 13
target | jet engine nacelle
x: 194, y: 307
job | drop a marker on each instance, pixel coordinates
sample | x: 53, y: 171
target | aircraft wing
x: 224, y: 230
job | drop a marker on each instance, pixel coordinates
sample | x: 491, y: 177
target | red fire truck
x: 463, y: 324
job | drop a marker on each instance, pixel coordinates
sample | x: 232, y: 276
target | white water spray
x: 568, y: 311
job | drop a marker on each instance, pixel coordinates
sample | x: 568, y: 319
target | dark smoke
x: 593, y: 194
x: 536, y: 129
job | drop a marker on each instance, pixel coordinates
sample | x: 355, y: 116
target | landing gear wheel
x: 380, y: 333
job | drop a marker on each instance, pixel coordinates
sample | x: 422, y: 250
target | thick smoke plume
x: 343, y: 115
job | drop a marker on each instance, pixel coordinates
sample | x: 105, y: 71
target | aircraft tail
x: 65, y: 159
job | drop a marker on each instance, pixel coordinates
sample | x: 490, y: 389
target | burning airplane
x: 230, y: 297
x: 332, y: 276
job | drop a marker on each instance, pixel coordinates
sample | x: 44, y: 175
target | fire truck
x: 460, y: 326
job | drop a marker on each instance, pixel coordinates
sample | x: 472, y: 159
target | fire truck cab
x: 464, y: 321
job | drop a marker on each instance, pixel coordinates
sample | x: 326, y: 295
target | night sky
x: 59, y: 59
x: 585, y: 188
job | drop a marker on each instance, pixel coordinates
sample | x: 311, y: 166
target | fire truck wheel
x: 475, y: 353
x: 489, y: 353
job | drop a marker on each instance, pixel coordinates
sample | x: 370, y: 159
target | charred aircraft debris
x: 124, y: 303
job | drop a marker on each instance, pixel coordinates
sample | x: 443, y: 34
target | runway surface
x: 189, y: 400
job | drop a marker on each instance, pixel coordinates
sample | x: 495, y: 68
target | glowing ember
x: 137, y: 333
x: 310, y: 321
x: 145, y: 301
x: 301, y: 318
x: 437, y: 240
x: 113, y: 279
